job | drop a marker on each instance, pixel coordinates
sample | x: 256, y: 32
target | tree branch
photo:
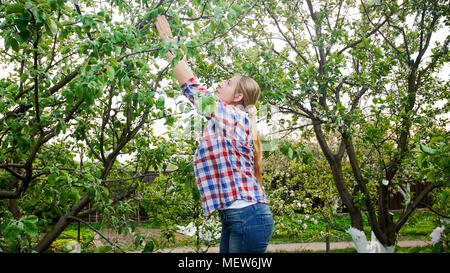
x: 96, y: 231
x: 413, y: 205
x: 36, y: 82
x: 285, y: 38
x: 360, y: 180
x: 435, y: 211
x: 83, y: 132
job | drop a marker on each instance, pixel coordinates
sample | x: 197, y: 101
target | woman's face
x: 225, y: 91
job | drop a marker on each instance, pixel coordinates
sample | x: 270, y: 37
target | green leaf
x: 137, y: 240
x: 437, y: 247
x: 23, y: 77
x: 30, y: 227
x: 12, y: 88
x: 166, y: 46
x: 115, y: 220
x: 218, y: 13
x: 117, y: 37
x: 207, y: 104
x: 75, y: 195
x: 12, y: 232
x: 126, y: 82
x: 237, y: 9
x: 25, y: 34
x: 110, y: 72
x: 436, y: 139
x: 97, y: 196
x: 64, y: 196
x: 170, y: 121
x: 420, y: 159
x: 52, y: 178
x: 307, y: 157
x: 14, y: 45
x: 160, y: 103
x: 427, y: 149
x: 50, y: 26
x: 149, y: 246
x: 15, y: 8
x: 290, y: 152
x: 32, y: 219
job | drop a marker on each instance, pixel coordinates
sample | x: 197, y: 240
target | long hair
x: 250, y: 89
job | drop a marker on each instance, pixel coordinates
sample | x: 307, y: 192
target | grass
x: 417, y: 249
x: 419, y: 226
x: 71, y: 234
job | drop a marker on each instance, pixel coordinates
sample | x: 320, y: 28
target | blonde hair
x: 251, y: 91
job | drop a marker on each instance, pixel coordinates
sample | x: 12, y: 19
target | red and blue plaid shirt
x: 224, y: 160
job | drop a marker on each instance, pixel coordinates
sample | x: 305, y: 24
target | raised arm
x: 182, y: 70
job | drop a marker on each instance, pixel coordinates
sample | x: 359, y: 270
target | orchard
x: 353, y: 109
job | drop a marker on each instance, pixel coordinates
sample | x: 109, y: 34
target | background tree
x: 366, y: 72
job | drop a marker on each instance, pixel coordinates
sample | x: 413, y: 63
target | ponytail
x: 258, y: 158
x: 250, y: 89
x: 251, y: 109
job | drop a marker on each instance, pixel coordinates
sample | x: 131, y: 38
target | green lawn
x: 418, y: 249
x: 419, y: 226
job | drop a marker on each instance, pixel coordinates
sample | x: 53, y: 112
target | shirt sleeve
x: 207, y: 103
x: 211, y: 107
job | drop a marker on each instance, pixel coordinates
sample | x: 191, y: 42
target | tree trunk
x: 338, y: 178
x: 363, y: 246
x: 61, y: 225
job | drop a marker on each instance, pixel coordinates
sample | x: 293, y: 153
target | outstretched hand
x: 163, y: 27
x: 181, y: 70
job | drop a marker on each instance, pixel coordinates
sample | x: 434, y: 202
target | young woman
x: 228, y: 162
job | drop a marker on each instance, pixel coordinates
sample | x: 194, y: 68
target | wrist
x: 170, y: 56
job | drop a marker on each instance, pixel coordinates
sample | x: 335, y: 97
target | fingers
x: 163, y: 27
x: 159, y: 26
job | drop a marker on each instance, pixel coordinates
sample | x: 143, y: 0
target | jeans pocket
x: 233, y: 216
x: 268, y: 227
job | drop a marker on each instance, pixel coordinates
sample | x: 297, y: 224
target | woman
x: 228, y: 161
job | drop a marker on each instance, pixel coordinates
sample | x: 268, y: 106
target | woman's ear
x: 238, y: 97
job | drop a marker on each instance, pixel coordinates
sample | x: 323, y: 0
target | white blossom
x: 436, y: 234
x: 73, y: 247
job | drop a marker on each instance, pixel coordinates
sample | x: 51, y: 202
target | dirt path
x: 273, y: 248
x: 300, y: 247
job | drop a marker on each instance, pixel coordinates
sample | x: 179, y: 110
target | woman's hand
x: 182, y: 70
x: 163, y: 27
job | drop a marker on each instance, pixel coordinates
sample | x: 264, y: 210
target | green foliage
x: 434, y: 161
x: 70, y: 235
x: 173, y: 201
x: 83, y: 89
x: 19, y: 235
x: 80, y: 90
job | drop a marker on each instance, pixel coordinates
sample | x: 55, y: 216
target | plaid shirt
x: 224, y: 161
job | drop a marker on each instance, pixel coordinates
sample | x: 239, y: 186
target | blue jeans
x: 246, y: 230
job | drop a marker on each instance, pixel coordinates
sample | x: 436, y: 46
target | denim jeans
x: 246, y: 230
